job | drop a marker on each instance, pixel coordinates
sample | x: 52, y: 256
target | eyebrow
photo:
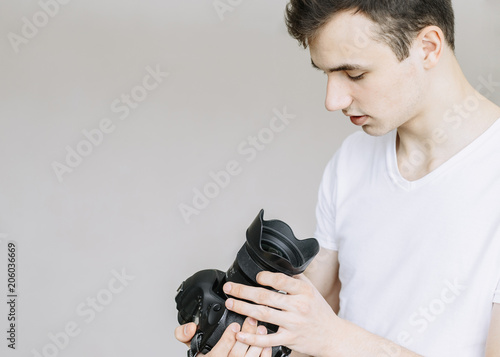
x: 343, y: 67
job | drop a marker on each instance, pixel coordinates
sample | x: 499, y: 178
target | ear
x: 431, y: 42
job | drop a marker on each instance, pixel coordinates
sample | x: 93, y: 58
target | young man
x: 408, y: 216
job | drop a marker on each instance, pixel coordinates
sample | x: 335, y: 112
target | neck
x: 456, y: 114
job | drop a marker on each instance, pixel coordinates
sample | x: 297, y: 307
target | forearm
x: 353, y: 341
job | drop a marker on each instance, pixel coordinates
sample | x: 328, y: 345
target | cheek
x: 381, y: 95
x: 402, y: 93
x: 411, y: 80
x: 411, y: 97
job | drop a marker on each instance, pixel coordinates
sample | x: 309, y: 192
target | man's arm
x: 307, y: 322
x: 324, y: 274
x: 493, y: 343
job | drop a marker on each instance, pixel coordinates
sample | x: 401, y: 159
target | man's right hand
x: 227, y: 345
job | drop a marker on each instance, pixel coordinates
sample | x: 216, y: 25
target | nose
x: 338, y: 95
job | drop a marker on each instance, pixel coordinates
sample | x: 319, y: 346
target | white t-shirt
x: 420, y: 260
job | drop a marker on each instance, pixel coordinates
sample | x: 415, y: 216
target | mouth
x: 358, y: 119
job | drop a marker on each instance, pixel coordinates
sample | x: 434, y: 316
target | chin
x: 375, y: 130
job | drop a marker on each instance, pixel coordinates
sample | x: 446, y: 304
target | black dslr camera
x: 270, y: 245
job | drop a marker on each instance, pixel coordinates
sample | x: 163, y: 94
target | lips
x: 358, y: 120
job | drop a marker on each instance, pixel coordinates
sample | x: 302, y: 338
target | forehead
x: 347, y: 38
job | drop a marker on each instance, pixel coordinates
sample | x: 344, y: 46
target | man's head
x: 386, y: 60
x: 399, y: 21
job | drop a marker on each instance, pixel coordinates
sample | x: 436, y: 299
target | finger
x: 226, y: 342
x: 260, y: 296
x: 281, y: 282
x: 185, y: 333
x: 249, y: 326
x: 255, y: 351
x: 267, y: 352
x: 258, y: 312
x: 273, y: 339
x: 303, y: 277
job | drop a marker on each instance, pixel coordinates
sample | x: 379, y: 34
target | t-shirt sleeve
x: 325, y: 208
x: 496, y: 297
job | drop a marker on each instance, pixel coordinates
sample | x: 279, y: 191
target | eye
x: 357, y: 78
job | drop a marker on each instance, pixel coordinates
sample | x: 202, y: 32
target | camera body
x: 270, y: 246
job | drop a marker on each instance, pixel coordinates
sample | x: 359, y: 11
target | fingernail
x: 241, y: 336
x: 229, y: 303
x: 252, y: 322
x: 261, y: 330
x: 227, y: 287
x: 235, y: 327
x: 186, y: 330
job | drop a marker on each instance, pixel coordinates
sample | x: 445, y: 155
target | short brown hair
x: 399, y: 21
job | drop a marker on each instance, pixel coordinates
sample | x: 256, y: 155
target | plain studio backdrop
x: 139, y: 139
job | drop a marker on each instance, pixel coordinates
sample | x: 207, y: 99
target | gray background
x: 119, y: 209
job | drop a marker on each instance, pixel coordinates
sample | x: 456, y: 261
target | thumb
x: 185, y: 333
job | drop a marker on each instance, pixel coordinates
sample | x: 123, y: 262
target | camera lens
x: 281, y: 245
x: 272, y: 246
